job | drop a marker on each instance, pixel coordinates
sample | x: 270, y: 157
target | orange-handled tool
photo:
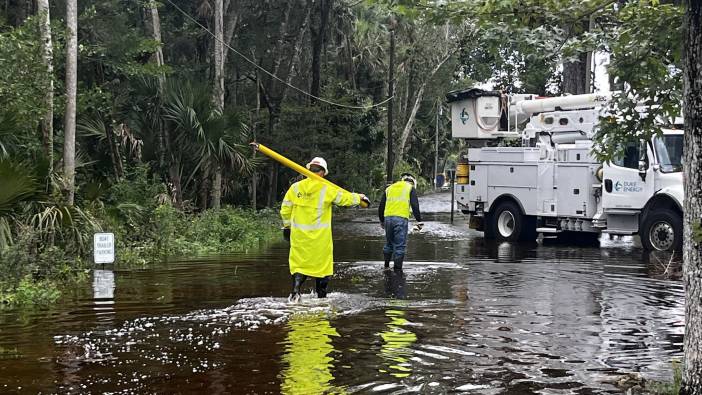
x: 365, y: 203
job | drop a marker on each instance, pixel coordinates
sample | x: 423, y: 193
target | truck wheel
x: 662, y: 231
x: 507, y: 222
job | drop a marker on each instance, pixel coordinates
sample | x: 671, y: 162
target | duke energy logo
x: 627, y: 186
x: 464, y: 116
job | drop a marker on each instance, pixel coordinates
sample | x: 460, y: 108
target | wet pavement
x: 466, y: 316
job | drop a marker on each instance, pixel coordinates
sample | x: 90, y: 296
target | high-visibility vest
x: 397, y: 200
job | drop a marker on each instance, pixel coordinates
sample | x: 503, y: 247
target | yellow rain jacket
x: 307, y: 210
x: 397, y: 200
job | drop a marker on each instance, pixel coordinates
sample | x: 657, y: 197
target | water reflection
x: 396, y: 350
x: 103, y: 291
x: 395, y: 284
x: 308, y: 355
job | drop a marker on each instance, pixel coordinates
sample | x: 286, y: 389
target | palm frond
x: 5, y: 233
x: 19, y: 183
x: 9, y: 125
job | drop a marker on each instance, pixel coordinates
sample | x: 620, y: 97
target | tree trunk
x: 114, y: 153
x: 204, y: 195
x: 280, y: 44
x: 273, y: 185
x: 575, y: 74
x: 297, y: 52
x: 351, y: 70
x: 318, y: 33
x: 230, y: 9
x: 254, y: 123
x: 692, y: 248
x: 390, y: 160
x: 218, y: 93
x: 153, y: 23
x: 69, y: 143
x: 217, y: 188
x: 218, y: 85
x: 47, y: 122
x: 176, y: 188
x: 415, y: 107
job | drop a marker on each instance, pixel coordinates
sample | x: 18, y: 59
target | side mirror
x: 643, y: 162
x: 643, y: 166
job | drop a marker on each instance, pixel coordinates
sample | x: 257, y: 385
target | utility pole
x: 436, y: 144
x: 391, y: 102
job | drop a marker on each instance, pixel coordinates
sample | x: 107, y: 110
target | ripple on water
x: 190, y: 341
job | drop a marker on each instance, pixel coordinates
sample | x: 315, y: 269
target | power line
x: 273, y: 75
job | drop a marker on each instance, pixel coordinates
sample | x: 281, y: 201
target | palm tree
x: 19, y: 184
x: 209, y: 142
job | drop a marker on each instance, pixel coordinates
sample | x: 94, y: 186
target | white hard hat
x: 319, y: 162
x: 407, y: 177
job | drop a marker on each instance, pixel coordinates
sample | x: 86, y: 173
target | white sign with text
x: 104, y: 247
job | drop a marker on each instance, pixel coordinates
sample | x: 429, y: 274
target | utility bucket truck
x: 552, y: 184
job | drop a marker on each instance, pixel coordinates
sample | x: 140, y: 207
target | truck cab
x: 643, y: 191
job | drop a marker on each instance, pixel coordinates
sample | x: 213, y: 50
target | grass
x: 35, y: 276
x: 668, y: 388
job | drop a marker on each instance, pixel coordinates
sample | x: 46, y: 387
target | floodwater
x: 466, y: 316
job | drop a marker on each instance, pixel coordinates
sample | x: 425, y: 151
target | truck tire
x: 507, y: 222
x: 662, y: 231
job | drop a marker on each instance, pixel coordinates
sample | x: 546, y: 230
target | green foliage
x: 22, y: 82
x: 31, y: 292
x: 19, y: 183
x: 31, y: 276
x: 210, y: 232
x: 668, y: 388
x: 646, y: 61
x: 348, y: 139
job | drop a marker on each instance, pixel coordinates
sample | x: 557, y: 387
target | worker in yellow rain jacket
x: 307, y: 216
x: 394, y: 213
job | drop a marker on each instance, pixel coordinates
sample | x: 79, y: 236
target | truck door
x: 623, y: 185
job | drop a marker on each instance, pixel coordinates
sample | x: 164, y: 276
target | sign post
x: 104, y: 247
x: 452, y: 176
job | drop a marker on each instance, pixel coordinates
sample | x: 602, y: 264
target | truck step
x: 547, y: 230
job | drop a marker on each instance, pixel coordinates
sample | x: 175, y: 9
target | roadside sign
x: 104, y: 247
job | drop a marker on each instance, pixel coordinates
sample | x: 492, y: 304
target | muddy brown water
x: 466, y: 316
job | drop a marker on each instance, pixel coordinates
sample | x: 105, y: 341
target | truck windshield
x: 669, y: 149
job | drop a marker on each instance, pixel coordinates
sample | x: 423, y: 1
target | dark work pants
x: 320, y: 284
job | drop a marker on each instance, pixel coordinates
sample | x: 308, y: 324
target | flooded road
x: 466, y: 316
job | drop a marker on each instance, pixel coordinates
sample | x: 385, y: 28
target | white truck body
x: 555, y: 186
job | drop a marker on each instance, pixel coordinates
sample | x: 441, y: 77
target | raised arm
x: 343, y: 198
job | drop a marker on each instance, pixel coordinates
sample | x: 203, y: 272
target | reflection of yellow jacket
x: 397, y: 347
x: 308, y: 356
x: 307, y: 211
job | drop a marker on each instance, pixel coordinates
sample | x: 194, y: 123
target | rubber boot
x: 321, y: 286
x: 388, y: 258
x: 398, y: 263
x: 297, y: 280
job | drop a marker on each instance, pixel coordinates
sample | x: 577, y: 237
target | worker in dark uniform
x: 394, y: 213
